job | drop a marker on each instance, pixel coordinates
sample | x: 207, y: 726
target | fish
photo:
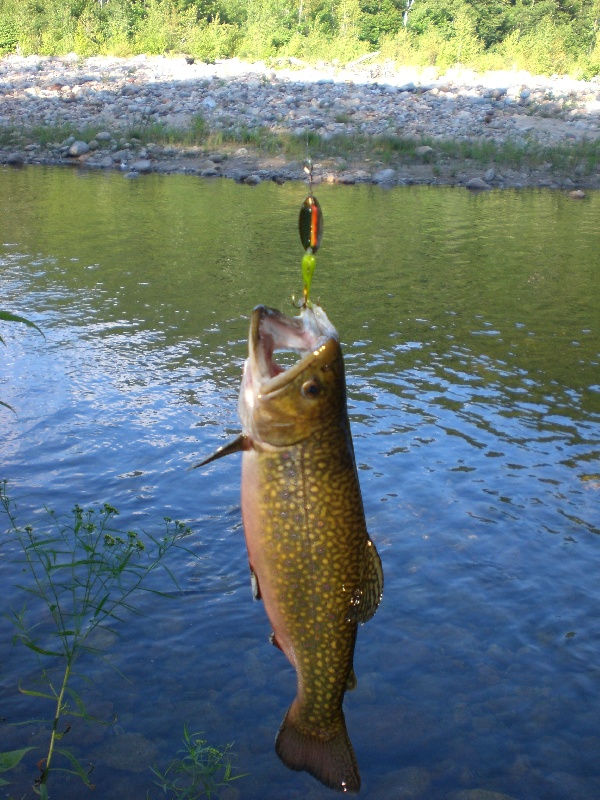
x: 311, y: 558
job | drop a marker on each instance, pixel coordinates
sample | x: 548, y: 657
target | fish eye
x: 311, y: 388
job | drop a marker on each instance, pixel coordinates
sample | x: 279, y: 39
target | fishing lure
x: 310, y: 224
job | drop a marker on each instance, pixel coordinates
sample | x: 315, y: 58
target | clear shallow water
x: 471, y: 327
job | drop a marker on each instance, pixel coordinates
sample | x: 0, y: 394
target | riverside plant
x: 7, y: 316
x: 86, y: 573
x: 200, y: 772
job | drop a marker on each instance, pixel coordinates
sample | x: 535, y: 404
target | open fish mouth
x: 270, y: 331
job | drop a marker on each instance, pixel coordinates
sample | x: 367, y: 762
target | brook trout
x: 311, y: 558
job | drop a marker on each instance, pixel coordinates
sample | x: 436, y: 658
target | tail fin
x: 330, y: 761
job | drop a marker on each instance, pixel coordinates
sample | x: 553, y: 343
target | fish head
x: 279, y: 406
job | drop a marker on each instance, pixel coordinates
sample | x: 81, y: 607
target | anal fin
x: 351, y: 683
x: 255, y: 585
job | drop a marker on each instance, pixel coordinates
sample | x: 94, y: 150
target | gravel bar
x: 110, y: 97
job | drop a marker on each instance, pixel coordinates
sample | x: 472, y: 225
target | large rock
x: 121, y: 155
x: 78, y: 148
x: 385, y: 176
x: 477, y: 185
x: 142, y: 165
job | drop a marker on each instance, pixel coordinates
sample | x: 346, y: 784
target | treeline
x: 542, y: 36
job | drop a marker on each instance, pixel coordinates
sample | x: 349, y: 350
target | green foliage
x: 208, y: 40
x: 491, y: 20
x: 541, y: 51
x: 158, y: 29
x: 200, y: 771
x: 540, y: 35
x: 8, y: 35
x: 378, y: 18
x: 85, y: 574
x: 10, y: 759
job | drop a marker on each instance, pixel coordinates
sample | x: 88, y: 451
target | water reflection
x: 470, y: 328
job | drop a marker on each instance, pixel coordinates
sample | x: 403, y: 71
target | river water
x: 471, y: 330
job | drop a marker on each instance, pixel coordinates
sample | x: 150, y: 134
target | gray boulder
x: 385, y: 176
x: 143, y: 165
x: 78, y: 148
x: 477, y: 185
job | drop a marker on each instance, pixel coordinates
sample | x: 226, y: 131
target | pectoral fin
x: 368, y: 593
x: 255, y: 585
x: 242, y: 442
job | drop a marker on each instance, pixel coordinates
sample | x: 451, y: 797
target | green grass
x: 353, y: 147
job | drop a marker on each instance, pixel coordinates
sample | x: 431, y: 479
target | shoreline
x: 249, y: 122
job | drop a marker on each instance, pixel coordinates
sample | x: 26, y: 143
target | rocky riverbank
x: 111, y: 105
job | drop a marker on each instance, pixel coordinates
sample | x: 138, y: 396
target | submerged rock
x: 128, y: 751
x: 385, y: 176
x: 480, y: 794
x: 408, y: 783
x: 477, y: 185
